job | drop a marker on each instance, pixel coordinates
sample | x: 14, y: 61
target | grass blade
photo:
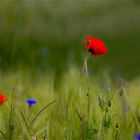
x: 42, y: 111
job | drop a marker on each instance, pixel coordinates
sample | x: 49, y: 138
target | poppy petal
x: 95, y: 45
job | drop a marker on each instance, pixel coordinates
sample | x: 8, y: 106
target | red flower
x: 95, y: 46
x: 2, y: 98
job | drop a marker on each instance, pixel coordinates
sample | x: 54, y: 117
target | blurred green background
x: 42, y: 35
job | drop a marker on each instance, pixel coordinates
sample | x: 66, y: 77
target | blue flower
x: 137, y: 136
x: 31, y: 101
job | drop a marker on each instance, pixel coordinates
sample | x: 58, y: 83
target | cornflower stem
x: 85, y: 68
x: 29, y: 106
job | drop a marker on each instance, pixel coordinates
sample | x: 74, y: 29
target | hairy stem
x: 86, y: 73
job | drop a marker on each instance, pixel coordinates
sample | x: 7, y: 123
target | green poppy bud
x: 121, y: 92
x: 117, y: 125
x: 109, y: 103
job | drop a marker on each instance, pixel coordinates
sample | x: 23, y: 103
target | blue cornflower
x: 31, y: 101
x: 137, y: 136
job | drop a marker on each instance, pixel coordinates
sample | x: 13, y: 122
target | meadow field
x: 45, y: 94
x: 109, y: 111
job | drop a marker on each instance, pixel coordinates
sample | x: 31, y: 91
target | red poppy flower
x: 95, y: 46
x: 2, y: 98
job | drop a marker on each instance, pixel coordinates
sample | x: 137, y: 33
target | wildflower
x: 137, y: 136
x: 31, y: 102
x: 2, y: 98
x: 95, y: 46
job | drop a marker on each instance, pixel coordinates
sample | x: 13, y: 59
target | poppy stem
x: 85, y: 68
x: 116, y: 135
x: 86, y: 73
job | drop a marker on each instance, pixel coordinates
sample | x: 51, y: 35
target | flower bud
x: 121, y: 92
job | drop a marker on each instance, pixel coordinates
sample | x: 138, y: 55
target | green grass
x: 104, y: 114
